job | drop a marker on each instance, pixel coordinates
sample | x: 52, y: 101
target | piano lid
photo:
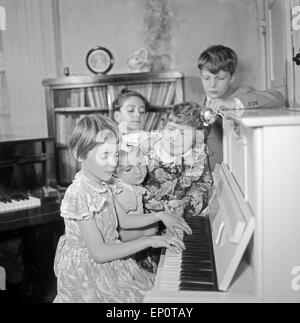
x: 232, y: 226
x: 263, y: 117
x: 14, y: 139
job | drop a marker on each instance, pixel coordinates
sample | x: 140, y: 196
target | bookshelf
x: 71, y: 97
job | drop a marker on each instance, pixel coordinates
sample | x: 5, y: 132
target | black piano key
x: 8, y: 199
x: 25, y: 196
x: 197, y: 287
x: 198, y: 276
x: 2, y: 199
x: 197, y: 268
x: 15, y: 197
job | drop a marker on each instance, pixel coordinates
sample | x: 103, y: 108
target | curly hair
x: 188, y: 114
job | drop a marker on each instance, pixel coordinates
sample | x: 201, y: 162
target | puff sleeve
x: 78, y: 207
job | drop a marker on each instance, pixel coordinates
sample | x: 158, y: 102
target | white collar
x: 167, y: 158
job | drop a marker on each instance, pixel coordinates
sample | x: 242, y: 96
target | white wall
x: 192, y: 25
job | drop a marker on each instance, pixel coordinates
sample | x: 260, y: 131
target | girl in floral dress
x: 91, y: 263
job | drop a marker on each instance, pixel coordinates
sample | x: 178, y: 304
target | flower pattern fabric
x: 186, y: 178
x: 79, y: 278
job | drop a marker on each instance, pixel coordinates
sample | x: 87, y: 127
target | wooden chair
x: 2, y: 278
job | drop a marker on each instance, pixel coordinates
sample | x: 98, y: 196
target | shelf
x: 68, y: 110
x: 80, y: 110
x: 100, y: 80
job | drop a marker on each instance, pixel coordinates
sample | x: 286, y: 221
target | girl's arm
x: 128, y: 235
x: 127, y: 221
x: 103, y: 252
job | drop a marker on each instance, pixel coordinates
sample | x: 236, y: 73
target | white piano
x: 254, y: 217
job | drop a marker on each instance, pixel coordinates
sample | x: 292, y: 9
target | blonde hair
x: 85, y: 134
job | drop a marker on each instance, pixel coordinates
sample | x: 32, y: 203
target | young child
x: 130, y: 109
x: 178, y: 163
x: 217, y: 66
x: 132, y: 171
x: 91, y: 263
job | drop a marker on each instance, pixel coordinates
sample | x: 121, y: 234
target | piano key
x: 193, y: 268
x: 12, y: 203
x: 197, y: 288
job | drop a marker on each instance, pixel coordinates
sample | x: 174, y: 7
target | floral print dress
x: 186, y: 178
x: 79, y: 278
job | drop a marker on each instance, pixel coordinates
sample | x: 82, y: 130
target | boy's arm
x: 252, y: 98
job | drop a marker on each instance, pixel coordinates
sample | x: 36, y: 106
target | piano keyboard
x: 18, y: 201
x: 194, y: 268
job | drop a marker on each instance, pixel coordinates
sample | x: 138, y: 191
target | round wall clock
x: 99, y: 60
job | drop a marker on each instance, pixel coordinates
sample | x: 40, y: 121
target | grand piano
x: 246, y: 245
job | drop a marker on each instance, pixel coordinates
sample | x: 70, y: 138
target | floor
x: 28, y: 257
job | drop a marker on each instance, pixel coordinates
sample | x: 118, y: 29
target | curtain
x: 29, y: 49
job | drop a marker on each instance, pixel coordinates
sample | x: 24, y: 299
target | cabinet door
x: 276, y: 44
x: 295, y: 8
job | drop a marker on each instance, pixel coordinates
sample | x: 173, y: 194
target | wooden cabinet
x: 69, y: 98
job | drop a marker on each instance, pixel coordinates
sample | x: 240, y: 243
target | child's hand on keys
x: 176, y: 207
x: 178, y: 233
x: 172, y: 222
x: 172, y: 243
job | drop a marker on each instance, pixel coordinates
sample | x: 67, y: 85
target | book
x: 169, y: 99
x: 154, y: 93
x: 150, y: 121
x: 82, y: 97
x: 103, y: 97
x: 162, y: 93
x: 90, y: 98
x: 96, y: 97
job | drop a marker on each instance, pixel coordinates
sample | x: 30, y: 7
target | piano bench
x: 2, y: 278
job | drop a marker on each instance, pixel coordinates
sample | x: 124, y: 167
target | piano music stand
x: 2, y: 278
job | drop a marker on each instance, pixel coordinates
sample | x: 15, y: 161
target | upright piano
x: 246, y: 245
x: 30, y: 224
x: 26, y: 199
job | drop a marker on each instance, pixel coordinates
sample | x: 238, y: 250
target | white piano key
x: 14, y: 206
